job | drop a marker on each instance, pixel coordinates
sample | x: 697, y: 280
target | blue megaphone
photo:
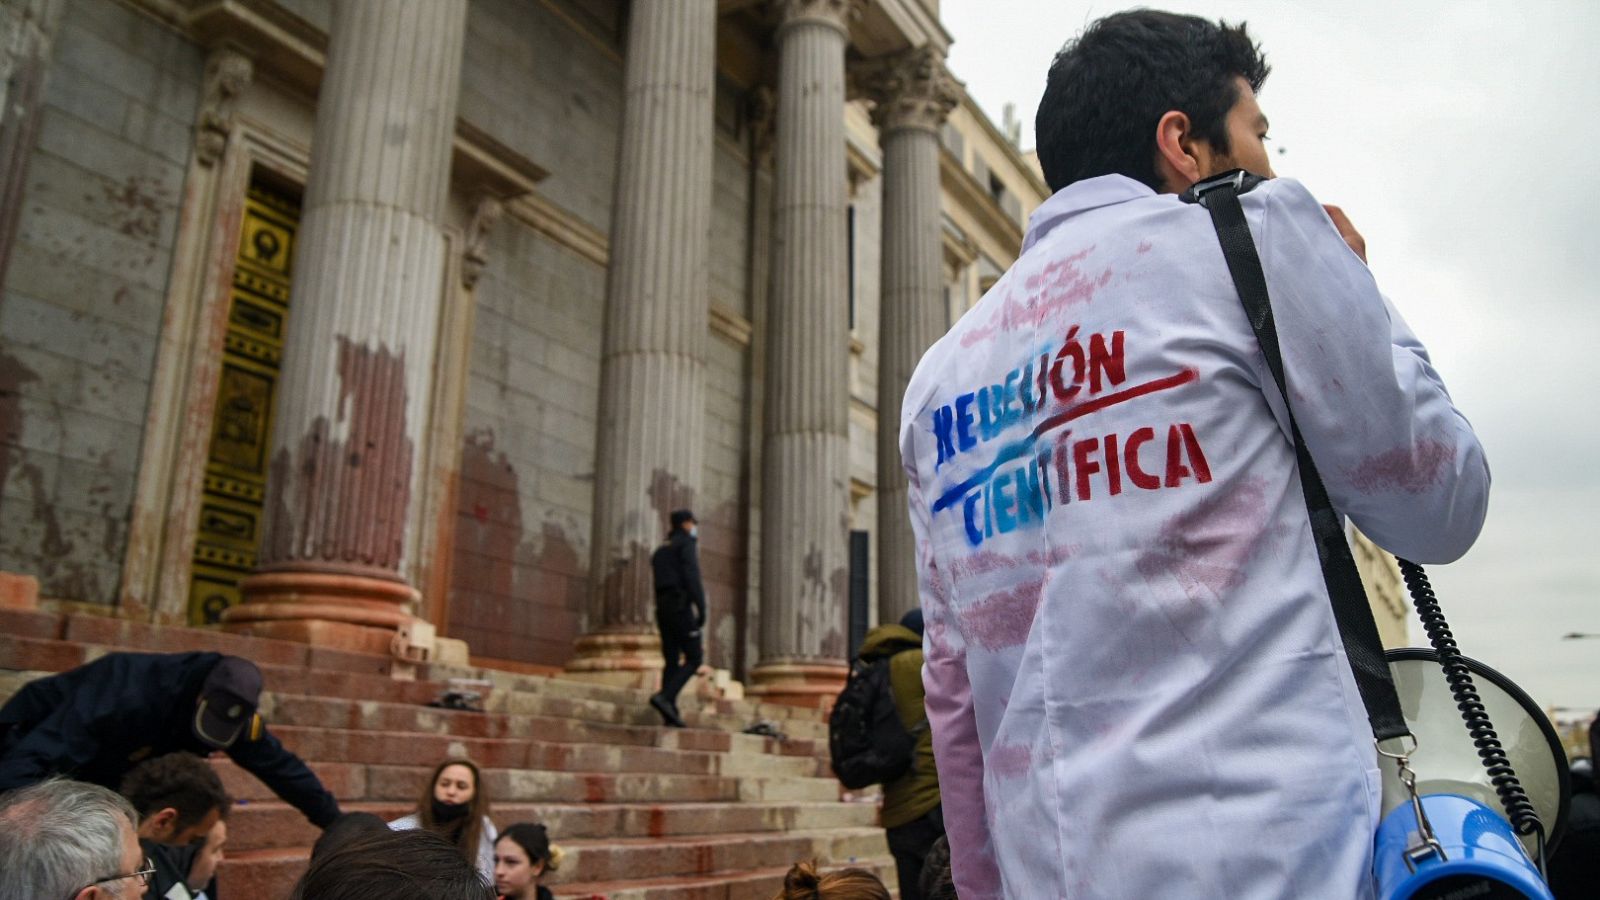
x: 1475, y: 854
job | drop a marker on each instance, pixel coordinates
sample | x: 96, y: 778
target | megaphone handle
x: 1519, y: 809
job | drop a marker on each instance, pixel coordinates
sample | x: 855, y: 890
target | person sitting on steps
x: 455, y: 806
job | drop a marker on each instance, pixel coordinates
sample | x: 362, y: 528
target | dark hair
x: 181, y: 781
x: 344, y: 829
x: 804, y: 882
x: 533, y: 839
x: 467, y: 831
x: 393, y: 865
x: 1108, y: 88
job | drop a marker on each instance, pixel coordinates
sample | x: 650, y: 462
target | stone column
x: 368, y: 283
x: 913, y: 93
x: 653, y: 372
x: 805, y: 478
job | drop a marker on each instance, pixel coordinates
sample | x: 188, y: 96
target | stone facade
x: 86, y: 274
x: 824, y: 256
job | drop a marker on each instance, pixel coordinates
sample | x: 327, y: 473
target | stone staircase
x: 644, y: 812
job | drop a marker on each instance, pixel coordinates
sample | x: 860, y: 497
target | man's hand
x: 1347, y: 231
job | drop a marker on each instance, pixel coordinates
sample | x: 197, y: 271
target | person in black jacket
x: 96, y: 722
x: 680, y: 612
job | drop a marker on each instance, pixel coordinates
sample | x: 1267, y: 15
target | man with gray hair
x: 61, y: 838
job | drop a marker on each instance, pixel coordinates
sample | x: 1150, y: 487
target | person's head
x: 226, y: 705
x: 804, y: 882
x: 684, y: 520
x: 345, y: 829
x: 521, y: 857
x: 1161, y: 98
x: 392, y: 865
x: 454, y: 803
x: 61, y: 838
x: 913, y: 620
x: 204, y: 866
x: 178, y: 798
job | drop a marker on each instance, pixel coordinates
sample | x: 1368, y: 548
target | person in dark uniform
x: 98, y: 721
x: 680, y: 612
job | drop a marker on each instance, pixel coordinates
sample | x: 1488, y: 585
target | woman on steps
x: 521, y: 857
x: 455, y: 806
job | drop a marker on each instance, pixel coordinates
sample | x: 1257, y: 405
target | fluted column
x: 913, y: 93
x: 367, y: 288
x: 805, y: 480
x: 652, y: 391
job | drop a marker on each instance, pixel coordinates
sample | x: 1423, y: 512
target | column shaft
x: 913, y: 94
x: 651, y: 433
x: 805, y: 489
x: 368, y: 276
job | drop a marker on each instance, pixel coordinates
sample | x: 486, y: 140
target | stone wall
x: 520, y: 566
x: 82, y: 305
x: 547, y: 84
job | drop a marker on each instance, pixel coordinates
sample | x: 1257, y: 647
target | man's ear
x: 162, y: 823
x: 1180, y: 156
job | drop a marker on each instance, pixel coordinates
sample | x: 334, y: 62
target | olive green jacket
x: 913, y: 794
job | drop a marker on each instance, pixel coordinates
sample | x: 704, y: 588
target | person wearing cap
x: 912, y: 817
x: 680, y: 611
x: 96, y: 722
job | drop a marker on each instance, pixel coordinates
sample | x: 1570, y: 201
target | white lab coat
x: 1134, y: 680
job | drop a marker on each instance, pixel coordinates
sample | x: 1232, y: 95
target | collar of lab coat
x: 1103, y: 190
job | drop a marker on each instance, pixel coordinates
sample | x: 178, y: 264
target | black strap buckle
x: 1241, y: 181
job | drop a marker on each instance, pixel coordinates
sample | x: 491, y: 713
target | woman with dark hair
x: 406, y: 865
x: 455, y: 806
x: 521, y: 857
x: 804, y: 882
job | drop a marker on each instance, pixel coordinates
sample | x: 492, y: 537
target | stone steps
x: 618, y: 864
x: 270, y: 824
x: 645, y: 812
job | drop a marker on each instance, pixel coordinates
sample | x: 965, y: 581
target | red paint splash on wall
x: 509, y: 598
x: 1003, y: 619
x: 346, y: 501
x: 1408, y: 469
x: 1206, y: 548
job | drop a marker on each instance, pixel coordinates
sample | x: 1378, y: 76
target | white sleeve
x: 1397, y: 457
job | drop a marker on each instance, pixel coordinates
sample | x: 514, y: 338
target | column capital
x: 913, y: 89
x: 835, y: 13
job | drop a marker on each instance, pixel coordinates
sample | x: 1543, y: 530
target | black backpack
x: 866, y: 740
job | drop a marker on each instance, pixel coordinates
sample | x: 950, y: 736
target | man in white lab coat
x: 1134, y: 680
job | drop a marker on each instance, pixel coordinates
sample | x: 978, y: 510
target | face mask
x: 694, y: 531
x: 447, y: 812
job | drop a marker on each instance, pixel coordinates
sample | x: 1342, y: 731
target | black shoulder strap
x: 1220, y: 196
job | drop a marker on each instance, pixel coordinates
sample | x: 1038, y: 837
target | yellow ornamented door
x: 229, y: 534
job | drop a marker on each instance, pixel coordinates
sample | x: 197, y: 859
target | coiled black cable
x: 1519, y: 809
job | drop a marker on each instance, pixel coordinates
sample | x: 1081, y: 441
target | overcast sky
x: 1462, y: 140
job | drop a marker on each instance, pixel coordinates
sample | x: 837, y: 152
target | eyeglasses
x: 143, y: 875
